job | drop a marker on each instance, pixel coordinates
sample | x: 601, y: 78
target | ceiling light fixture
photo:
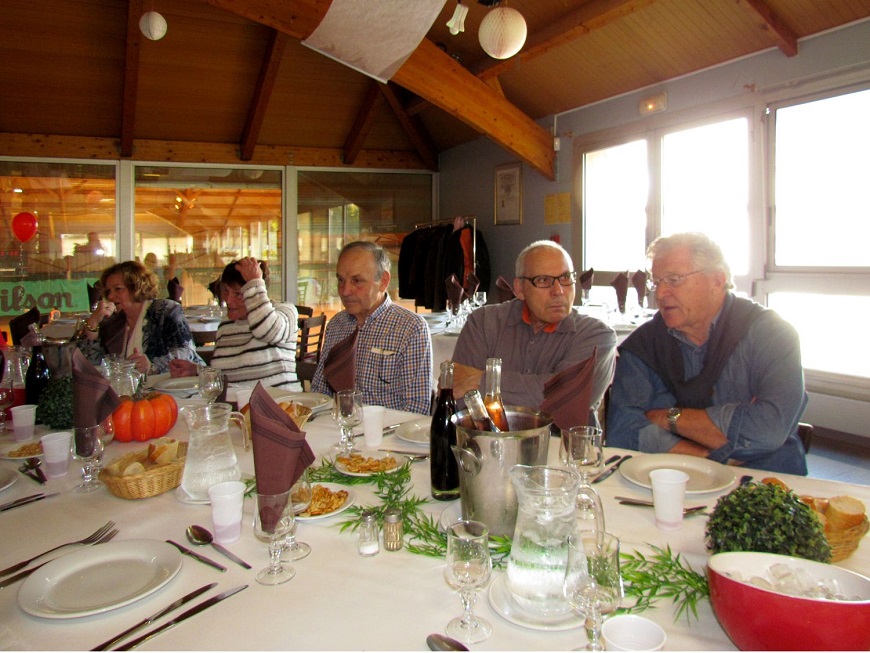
x: 457, y: 23
x: 152, y: 25
x: 653, y: 104
x: 502, y: 32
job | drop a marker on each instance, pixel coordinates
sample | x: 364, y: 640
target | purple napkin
x: 175, y: 289
x: 472, y: 283
x: 339, y: 370
x: 93, y: 397
x: 504, y: 289
x: 586, y: 279
x: 568, y: 394
x: 455, y: 291
x: 620, y: 282
x: 638, y: 280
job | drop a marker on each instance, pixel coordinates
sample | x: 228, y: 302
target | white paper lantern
x: 502, y: 32
x: 152, y: 25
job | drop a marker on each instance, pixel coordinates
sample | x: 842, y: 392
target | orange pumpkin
x: 143, y: 419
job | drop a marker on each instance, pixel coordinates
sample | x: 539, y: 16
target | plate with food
x: 358, y: 464
x: 704, y: 475
x: 19, y: 450
x: 327, y: 500
x: 316, y: 401
x: 416, y: 431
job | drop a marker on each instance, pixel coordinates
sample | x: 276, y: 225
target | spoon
x: 34, y: 464
x: 438, y: 642
x: 201, y: 536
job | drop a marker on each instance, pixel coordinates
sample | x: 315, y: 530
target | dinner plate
x: 377, y: 455
x: 99, y: 578
x: 183, y: 385
x: 506, y: 606
x: 7, y: 478
x: 416, y: 431
x: 316, y: 401
x: 5, y: 450
x: 335, y: 487
x: 704, y: 475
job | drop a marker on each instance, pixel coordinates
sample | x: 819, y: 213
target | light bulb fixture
x: 653, y: 104
x: 502, y: 32
x: 457, y: 23
x: 152, y: 25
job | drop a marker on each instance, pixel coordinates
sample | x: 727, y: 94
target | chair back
x: 304, y: 311
x: 309, y: 345
x: 20, y: 326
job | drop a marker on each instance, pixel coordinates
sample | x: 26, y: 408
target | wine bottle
x: 36, y: 377
x: 474, y: 404
x: 492, y: 396
x: 443, y: 467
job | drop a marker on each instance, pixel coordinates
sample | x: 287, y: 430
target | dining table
x: 338, y: 599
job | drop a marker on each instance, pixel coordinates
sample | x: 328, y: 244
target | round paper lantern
x: 152, y: 25
x: 24, y: 226
x: 502, y: 32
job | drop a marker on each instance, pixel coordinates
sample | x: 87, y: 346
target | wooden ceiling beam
x: 365, y: 118
x: 413, y: 127
x: 262, y: 94
x: 131, y: 78
x: 786, y: 40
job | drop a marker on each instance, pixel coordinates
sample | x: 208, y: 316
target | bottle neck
x: 492, y: 382
x: 445, y: 381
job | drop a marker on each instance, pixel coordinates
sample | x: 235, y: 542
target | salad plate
x: 704, y: 475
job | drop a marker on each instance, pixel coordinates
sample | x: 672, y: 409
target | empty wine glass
x: 593, y: 583
x: 479, y: 299
x: 468, y: 567
x: 6, y: 400
x: 581, y: 450
x: 210, y: 383
x: 300, y: 497
x: 348, y: 413
x: 88, y: 448
x: 274, y: 517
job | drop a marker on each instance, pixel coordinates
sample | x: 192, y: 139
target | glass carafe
x: 546, y: 498
x: 211, y: 458
x: 17, y: 362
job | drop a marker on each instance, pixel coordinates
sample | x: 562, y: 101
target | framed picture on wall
x: 509, y: 194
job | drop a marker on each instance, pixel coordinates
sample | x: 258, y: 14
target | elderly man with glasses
x: 712, y: 374
x: 536, y: 335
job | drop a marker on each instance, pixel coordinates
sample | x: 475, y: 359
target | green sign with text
x: 64, y: 295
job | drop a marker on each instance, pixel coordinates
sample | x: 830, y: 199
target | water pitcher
x: 211, y: 458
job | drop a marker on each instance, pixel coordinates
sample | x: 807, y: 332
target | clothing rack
x: 470, y: 221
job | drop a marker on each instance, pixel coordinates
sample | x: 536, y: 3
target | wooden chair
x: 308, y: 346
x: 304, y: 311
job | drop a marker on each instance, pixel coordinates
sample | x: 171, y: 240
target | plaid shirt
x: 393, y: 358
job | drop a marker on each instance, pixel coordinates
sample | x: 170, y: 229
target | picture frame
x: 509, y: 194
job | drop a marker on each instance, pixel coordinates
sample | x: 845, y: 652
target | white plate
x: 505, y: 605
x: 377, y: 455
x: 704, y: 475
x: 183, y: 384
x: 416, y: 431
x: 7, y: 478
x: 99, y: 578
x: 335, y: 487
x: 7, y: 449
x: 316, y: 401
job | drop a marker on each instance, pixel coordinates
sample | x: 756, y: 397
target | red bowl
x: 764, y: 620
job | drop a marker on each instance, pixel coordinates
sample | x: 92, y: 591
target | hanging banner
x: 64, y: 295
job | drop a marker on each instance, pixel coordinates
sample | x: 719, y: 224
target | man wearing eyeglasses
x: 536, y: 335
x: 712, y: 374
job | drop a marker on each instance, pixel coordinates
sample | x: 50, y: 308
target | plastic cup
x: 628, y: 632
x: 23, y: 419
x: 227, y: 501
x: 56, y: 453
x: 373, y: 425
x: 669, y: 491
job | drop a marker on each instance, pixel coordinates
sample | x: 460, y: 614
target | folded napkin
x: 19, y: 326
x: 281, y: 452
x: 214, y: 287
x: 638, y: 280
x: 568, y: 394
x: 339, y: 370
x: 93, y: 397
x: 95, y: 293
x: 620, y: 282
x: 175, y: 289
x: 586, y: 279
x: 472, y: 283
x: 455, y: 292
x: 504, y: 289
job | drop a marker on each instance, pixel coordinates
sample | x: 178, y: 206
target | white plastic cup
x: 373, y: 425
x: 56, y: 453
x: 669, y: 491
x: 23, y: 419
x: 227, y: 502
x: 628, y: 632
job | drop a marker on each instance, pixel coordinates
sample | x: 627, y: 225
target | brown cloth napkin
x: 568, y: 394
x: 504, y: 289
x: 176, y: 290
x: 472, y: 283
x: 281, y: 452
x: 339, y: 370
x: 93, y: 397
x: 586, y: 279
x: 638, y: 280
x: 19, y: 326
x: 455, y: 291
x: 620, y: 282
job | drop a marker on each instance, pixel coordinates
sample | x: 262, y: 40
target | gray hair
x: 706, y: 254
x: 520, y: 266
x: 382, y: 261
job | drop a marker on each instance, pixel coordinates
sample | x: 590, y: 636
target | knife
x: 229, y: 554
x: 199, y: 607
x: 607, y: 472
x: 197, y: 556
x: 165, y: 611
x: 25, y: 500
x: 612, y: 459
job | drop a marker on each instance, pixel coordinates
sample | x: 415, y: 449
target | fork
x: 93, y: 538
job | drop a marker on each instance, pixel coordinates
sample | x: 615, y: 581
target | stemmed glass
x: 468, y: 568
x: 581, y: 450
x: 274, y: 519
x: 349, y: 413
x: 300, y: 496
x: 210, y: 383
x: 88, y: 448
x: 479, y: 299
x: 593, y: 583
x: 6, y: 400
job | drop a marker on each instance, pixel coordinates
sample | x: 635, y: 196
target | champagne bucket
x: 486, y: 492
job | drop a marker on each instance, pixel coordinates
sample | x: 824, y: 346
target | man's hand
x: 465, y: 378
x: 143, y: 365
x: 179, y: 367
x: 249, y: 268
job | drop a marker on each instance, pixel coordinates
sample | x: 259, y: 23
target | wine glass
x: 593, y: 583
x: 348, y: 413
x: 581, y: 450
x: 300, y: 497
x: 274, y: 517
x: 88, y: 448
x: 6, y: 400
x: 210, y: 383
x: 479, y: 299
x: 468, y: 568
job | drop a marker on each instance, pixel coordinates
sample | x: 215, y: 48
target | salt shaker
x: 368, y: 534
x: 393, y: 529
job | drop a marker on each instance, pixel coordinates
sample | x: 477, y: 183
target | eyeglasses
x: 546, y: 281
x: 672, y: 280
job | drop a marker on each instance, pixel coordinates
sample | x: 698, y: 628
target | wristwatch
x: 673, y: 415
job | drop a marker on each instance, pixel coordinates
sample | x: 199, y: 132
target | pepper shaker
x: 368, y: 534
x: 393, y: 529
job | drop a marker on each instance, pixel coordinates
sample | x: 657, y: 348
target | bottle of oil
x: 442, y: 436
x: 492, y: 395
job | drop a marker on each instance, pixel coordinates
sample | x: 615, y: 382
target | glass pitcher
x: 211, y: 458
x: 546, y: 499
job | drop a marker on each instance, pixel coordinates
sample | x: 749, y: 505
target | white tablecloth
x: 338, y: 599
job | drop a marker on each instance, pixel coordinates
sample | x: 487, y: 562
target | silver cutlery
x: 413, y: 456
x: 201, y: 536
x: 24, y: 469
x: 607, y: 472
x: 23, y: 501
x: 90, y: 539
x: 439, y: 642
x: 629, y: 501
x: 35, y: 464
x: 184, y: 615
x: 197, y: 556
x: 145, y: 622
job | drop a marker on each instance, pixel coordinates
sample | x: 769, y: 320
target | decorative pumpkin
x: 144, y: 419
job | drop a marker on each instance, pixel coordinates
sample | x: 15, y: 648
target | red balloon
x: 24, y: 226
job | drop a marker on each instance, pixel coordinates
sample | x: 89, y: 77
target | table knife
x: 199, y: 607
x: 229, y: 554
x: 607, y: 472
x: 25, y: 500
x: 197, y: 556
x: 145, y: 622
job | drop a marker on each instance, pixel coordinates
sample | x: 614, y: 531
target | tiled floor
x: 839, y: 461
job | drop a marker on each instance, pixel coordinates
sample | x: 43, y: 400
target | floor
x: 837, y: 460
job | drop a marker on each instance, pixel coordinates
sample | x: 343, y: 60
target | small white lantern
x: 152, y: 25
x: 502, y: 32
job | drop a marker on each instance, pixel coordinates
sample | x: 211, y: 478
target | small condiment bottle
x: 393, y: 529
x: 368, y: 534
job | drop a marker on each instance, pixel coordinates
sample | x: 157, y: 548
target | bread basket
x: 152, y: 482
x: 845, y: 542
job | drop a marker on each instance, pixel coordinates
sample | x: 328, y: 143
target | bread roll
x: 844, y: 512
x: 133, y: 468
x: 162, y: 451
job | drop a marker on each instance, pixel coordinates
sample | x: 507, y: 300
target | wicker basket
x: 154, y: 481
x: 844, y: 543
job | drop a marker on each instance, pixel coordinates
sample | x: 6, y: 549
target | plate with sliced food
x: 316, y: 401
x: 357, y: 464
x: 21, y: 450
x: 327, y: 500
